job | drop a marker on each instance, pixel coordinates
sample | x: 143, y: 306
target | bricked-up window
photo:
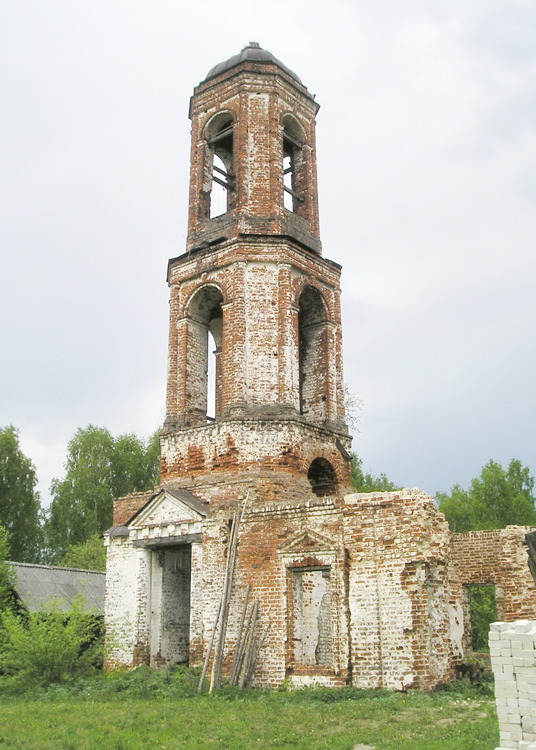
x: 294, y: 166
x: 313, y: 348
x: 205, y: 325
x: 220, y: 185
x: 322, y: 477
x: 312, y: 628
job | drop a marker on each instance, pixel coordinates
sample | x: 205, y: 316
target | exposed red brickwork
x: 281, y: 450
x: 125, y: 507
x: 398, y: 590
x: 260, y: 354
x: 498, y: 557
x: 265, y: 562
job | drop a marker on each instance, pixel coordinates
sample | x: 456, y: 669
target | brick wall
x: 125, y: 603
x: 353, y: 590
x: 400, y: 609
x: 260, y: 284
x: 125, y: 507
x: 497, y: 557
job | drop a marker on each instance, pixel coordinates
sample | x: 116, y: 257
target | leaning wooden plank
x: 209, y: 647
x: 227, y: 589
x: 250, y: 643
x: 237, y: 661
x: 244, y: 644
x: 218, y: 654
x: 253, y: 661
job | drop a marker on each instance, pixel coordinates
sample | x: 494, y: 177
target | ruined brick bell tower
x: 348, y: 588
x: 254, y: 289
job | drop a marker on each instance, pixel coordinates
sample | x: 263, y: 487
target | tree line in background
x: 499, y: 497
x: 100, y: 468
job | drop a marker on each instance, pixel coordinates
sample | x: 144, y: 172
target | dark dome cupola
x: 252, y: 53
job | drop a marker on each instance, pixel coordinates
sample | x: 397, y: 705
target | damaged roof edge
x: 183, y: 495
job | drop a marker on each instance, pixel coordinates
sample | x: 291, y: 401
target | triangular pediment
x: 169, y: 507
x: 306, y: 543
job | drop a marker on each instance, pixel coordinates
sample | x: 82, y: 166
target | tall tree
x: 135, y: 464
x: 20, y: 511
x: 99, y: 468
x: 495, y: 499
x: 366, y: 482
x: 82, y: 501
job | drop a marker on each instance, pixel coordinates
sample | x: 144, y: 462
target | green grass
x: 135, y: 711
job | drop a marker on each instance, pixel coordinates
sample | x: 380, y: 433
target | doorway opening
x: 170, y: 605
x: 481, y: 612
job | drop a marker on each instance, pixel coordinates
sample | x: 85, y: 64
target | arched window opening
x: 211, y: 377
x: 214, y: 384
x: 288, y: 177
x: 219, y: 192
x: 322, y: 477
x: 294, y: 184
x: 313, y: 354
x: 221, y: 174
x: 203, y: 356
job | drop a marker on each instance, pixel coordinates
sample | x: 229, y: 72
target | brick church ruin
x: 361, y: 589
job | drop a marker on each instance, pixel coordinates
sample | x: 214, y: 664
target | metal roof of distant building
x: 254, y: 53
x: 40, y: 585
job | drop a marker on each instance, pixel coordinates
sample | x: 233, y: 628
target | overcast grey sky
x: 427, y: 180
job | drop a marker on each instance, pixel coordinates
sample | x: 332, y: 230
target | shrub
x: 49, y: 646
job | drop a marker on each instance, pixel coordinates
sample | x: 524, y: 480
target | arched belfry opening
x: 313, y: 354
x: 203, y: 355
x: 294, y: 166
x: 219, y: 185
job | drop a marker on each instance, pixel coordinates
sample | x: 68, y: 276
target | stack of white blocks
x: 513, y: 660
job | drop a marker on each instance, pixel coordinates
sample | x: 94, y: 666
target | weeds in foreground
x: 182, y: 682
x: 144, y: 708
